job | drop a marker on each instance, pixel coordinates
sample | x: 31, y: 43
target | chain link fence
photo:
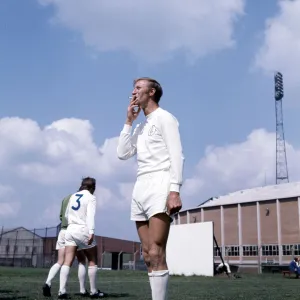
x: 21, y: 247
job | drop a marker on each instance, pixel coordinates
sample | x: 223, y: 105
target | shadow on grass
x: 110, y: 295
x: 10, y: 297
x: 117, y: 295
x: 13, y: 298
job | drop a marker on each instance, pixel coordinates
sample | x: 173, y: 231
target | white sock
x: 64, y: 274
x: 92, y: 272
x: 150, y: 279
x: 52, y: 272
x: 160, y: 284
x: 81, y: 277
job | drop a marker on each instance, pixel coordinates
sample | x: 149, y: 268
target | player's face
x: 142, y: 93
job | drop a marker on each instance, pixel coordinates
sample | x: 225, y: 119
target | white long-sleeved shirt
x: 157, y: 144
x: 81, y: 210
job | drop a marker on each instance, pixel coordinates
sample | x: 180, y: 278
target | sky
x: 66, y: 72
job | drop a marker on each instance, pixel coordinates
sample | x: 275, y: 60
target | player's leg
x: 60, y: 246
x: 70, y: 253
x: 154, y: 204
x: 92, y: 256
x: 159, y: 226
x: 52, y: 273
x: 81, y: 271
x: 143, y: 233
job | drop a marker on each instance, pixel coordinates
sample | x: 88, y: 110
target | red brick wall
x: 214, y: 214
x: 183, y: 217
x: 289, y: 221
x: 231, y: 225
x: 195, y: 216
x: 249, y: 223
x: 268, y: 224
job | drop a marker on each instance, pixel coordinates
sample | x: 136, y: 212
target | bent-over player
x: 60, y: 246
x: 156, y: 194
x: 80, y: 215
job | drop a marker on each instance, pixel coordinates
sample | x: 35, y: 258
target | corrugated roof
x: 272, y: 192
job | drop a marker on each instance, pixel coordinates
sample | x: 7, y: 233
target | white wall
x: 190, y: 249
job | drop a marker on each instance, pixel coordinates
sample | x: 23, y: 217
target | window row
x: 266, y: 250
x: 17, y: 249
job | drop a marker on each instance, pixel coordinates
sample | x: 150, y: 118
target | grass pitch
x: 26, y: 283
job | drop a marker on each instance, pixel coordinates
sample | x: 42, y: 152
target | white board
x: 190, y: 249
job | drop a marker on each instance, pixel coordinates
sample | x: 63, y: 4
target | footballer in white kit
x: 80, y: 215
x: 156, y: 195
x: 79, y: 236
x: 60, y: 246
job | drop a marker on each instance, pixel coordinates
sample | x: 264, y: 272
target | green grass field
x: 26, y: 283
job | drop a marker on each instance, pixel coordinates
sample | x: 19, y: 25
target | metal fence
x: 21, y: 247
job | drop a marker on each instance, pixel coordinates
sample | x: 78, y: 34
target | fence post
x: 32, y: 247
x: 45, y: 243
x: 2, y: 230
x: 15, y: 245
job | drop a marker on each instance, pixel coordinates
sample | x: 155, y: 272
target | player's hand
x: 91, y: 238
x: 174, y: 203
x: 133, y: 111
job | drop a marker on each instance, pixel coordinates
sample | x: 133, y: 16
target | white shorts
x: 78, y: 235
x: 150, y: 195
x: 60, y: 243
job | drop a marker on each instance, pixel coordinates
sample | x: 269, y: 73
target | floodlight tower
x: 282, y: 175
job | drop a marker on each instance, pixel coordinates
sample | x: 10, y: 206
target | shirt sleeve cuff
x: 91, y: 231
x: 175, y: 187
x: 127, y: 128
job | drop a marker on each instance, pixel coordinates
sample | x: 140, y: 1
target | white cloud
x: 153, y: 30
x: 45, y: 164
x: 280, y: 49
x: 8, y: 206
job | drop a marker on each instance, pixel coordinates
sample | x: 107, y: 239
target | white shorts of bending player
x: 61, y: 242
x: 150, y: 195
x: 78, y: 235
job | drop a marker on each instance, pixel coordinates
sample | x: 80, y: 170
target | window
x: 270, y: 250
x: 291, y: 249
x: 233, y: 250
x: 216, y: 252
x: 250, y: 250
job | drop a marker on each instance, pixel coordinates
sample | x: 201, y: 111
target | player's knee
x: 156, y: 254
x: 146, y: 255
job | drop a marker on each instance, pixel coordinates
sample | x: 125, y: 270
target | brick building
x: 253, y: 226
x: 21, y: 247
x: 112, y: 253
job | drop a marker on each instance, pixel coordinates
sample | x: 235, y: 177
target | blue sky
x: 63, y: 62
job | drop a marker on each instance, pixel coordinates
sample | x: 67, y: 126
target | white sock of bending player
x: 52, y: 272
x: 150, y: 279
x: 160, y: 284
x: 92, y: 278
x: 64, y: 274
x: 81, y: 277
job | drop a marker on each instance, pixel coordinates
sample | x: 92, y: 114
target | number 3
x: 78, y: 202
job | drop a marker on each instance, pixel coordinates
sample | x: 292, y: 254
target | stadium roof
x: 272, y: 192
